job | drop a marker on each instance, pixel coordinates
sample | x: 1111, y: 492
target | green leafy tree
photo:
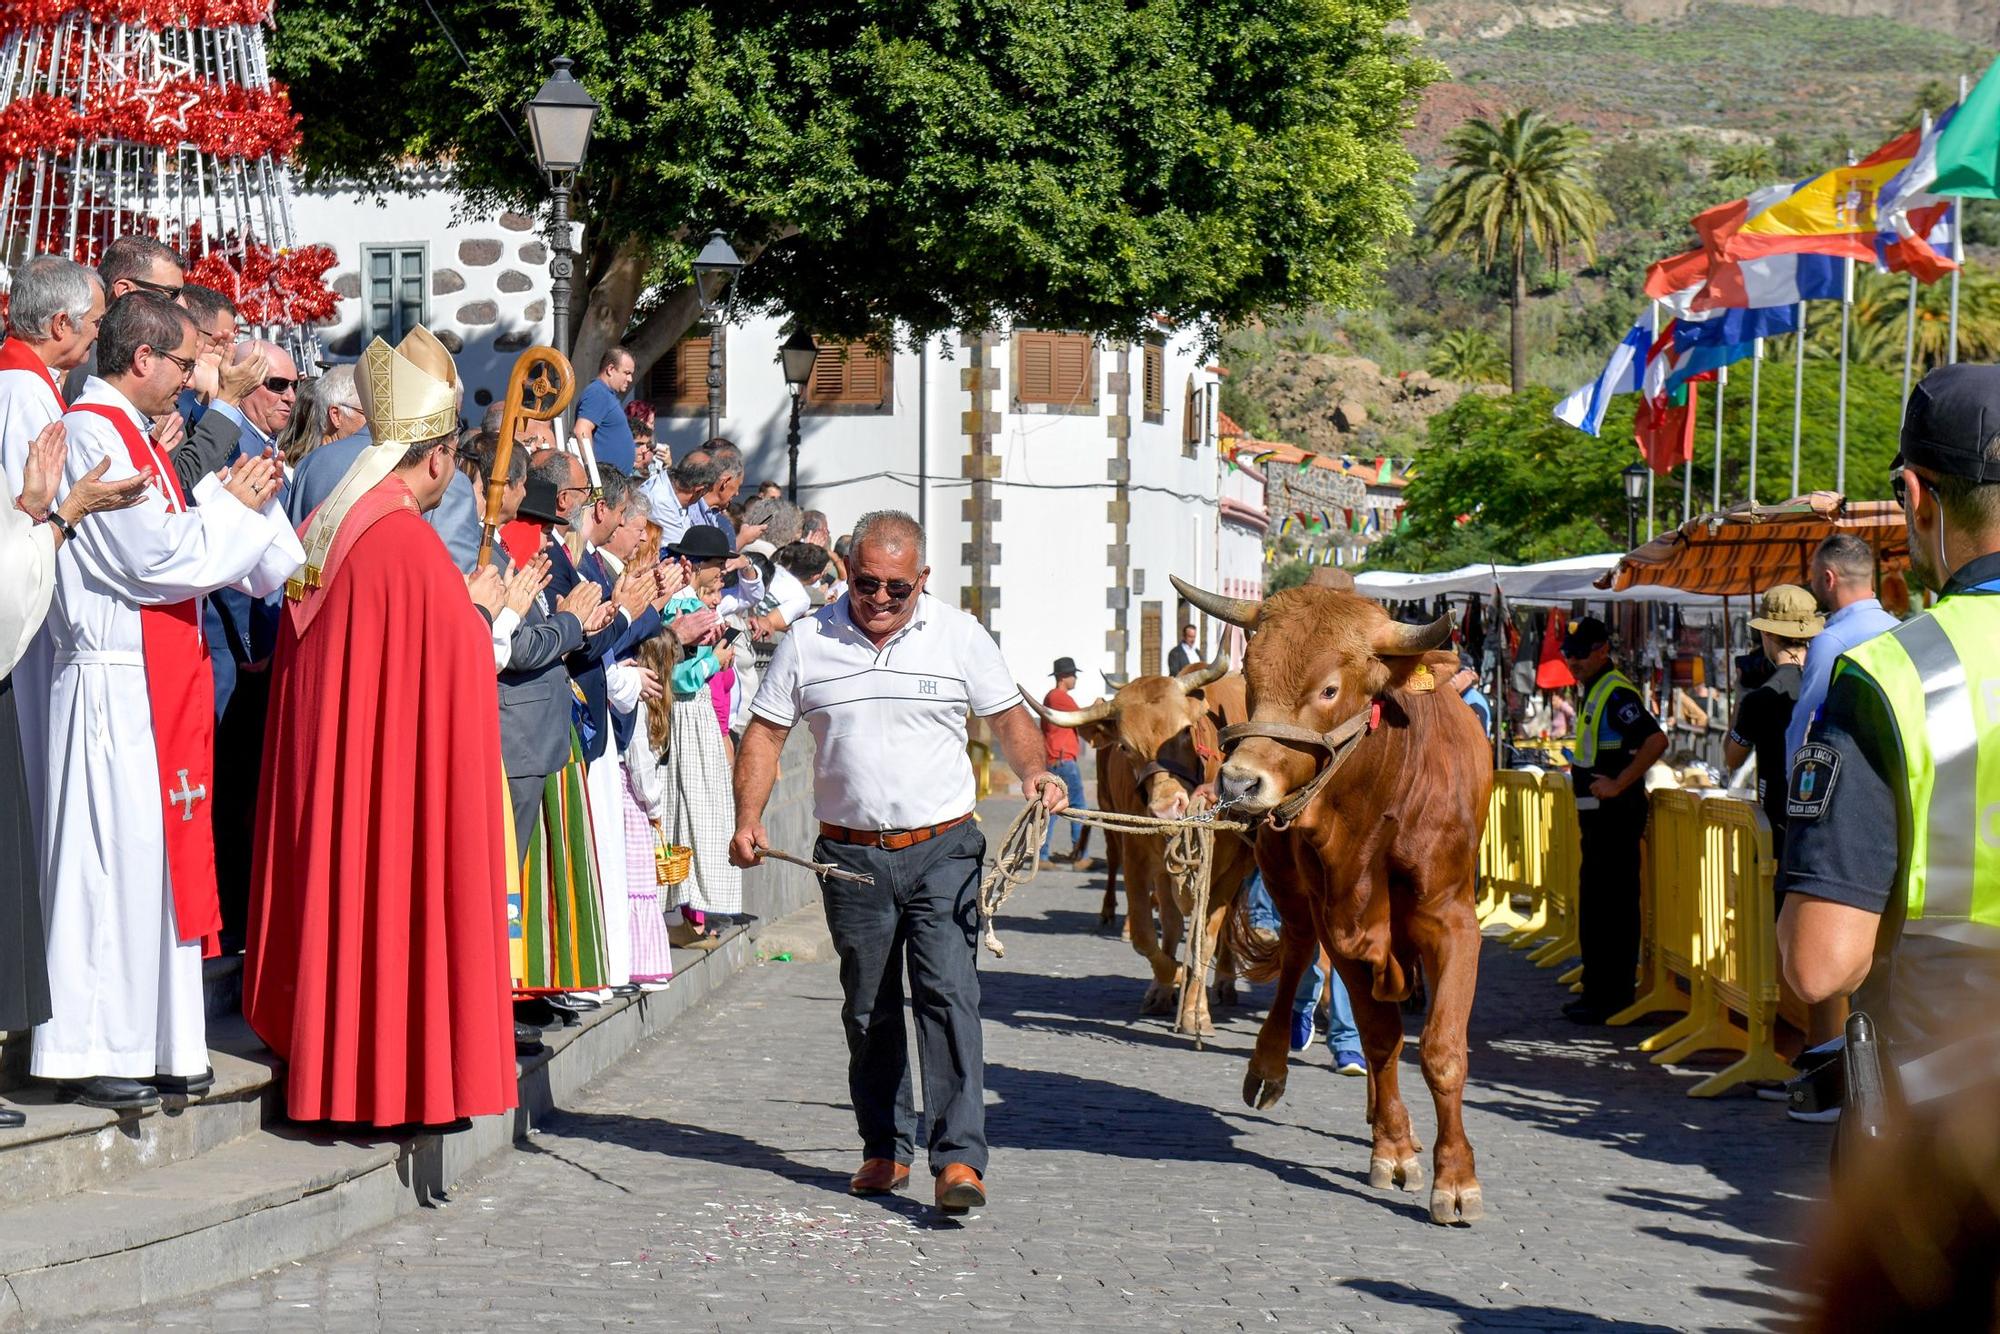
x: 949, y: 164
x: 1514, y: 188
x: 1472, y: 356
x: 1931, y: 98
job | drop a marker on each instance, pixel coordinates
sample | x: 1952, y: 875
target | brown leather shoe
x: 879, y: 1176
x: 959, y: 1189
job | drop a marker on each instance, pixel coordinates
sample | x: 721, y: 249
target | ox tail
x: 1255, y: 953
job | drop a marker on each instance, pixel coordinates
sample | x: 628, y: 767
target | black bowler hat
x: 701, y: 541
x: 540, y: 501
x: 1584, y: 636
x: 1065, y: 667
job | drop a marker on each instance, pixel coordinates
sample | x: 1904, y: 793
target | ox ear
x: 1098, y: 735
x: 1402, y: 669
x: 1395, y: 639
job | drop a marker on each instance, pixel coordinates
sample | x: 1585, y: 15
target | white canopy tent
x: 1572, y: 579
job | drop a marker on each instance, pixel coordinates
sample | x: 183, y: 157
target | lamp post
x: 559, y: 121
x: 715, y: 270
x: 1635, y: 491
x: 798, y: 352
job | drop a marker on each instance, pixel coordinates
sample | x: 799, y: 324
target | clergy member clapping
x: 130, y: 721
x: 377, y: 962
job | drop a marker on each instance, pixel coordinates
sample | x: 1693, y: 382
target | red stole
x: 385, y: 498
x: 16, y: 355
x: 181, y: 691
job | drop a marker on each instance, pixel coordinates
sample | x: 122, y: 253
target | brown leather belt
x: 892, y: 840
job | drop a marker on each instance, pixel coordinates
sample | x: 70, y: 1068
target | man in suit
x: 1185, y: 654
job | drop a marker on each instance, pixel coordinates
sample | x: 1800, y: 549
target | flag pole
x: 1756, y: 389
x: 1687, y: 488
x: 1649, y: 503
x: 1909, y: 338
x: 1840, y: 438
x: 1721, y: 381
x: 1957, y: 250
x: 1798, y: 396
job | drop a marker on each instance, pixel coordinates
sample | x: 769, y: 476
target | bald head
x: 889, y: 530
x: 269, y: 406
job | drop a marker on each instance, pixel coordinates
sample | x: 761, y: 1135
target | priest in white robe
x: 53, y: 311
x: 129, y: 894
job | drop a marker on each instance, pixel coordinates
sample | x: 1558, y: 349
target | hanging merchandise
x: 1552, y: 673
x: 1472, y: 630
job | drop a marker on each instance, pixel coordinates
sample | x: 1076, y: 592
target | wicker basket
x: 671, y: 861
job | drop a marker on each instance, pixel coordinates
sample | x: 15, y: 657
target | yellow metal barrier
x: 1506, y: 863
x: 1562, y: 858
x: 1670, y: 938
x: 981, y: 756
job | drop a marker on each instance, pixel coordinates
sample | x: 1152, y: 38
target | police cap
x: 1952, y: 419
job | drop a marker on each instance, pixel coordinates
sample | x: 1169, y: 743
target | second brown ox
x: 1379, y: 779
x: 1158, y: 741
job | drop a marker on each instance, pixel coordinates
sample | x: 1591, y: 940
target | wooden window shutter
x: 1155, y: 379
x: 1035, y: 360
x: 679, y: 382
x: 1072, y: 375
x: 849, y: 374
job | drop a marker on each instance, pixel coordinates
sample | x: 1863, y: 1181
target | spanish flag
x: 1833, y: 213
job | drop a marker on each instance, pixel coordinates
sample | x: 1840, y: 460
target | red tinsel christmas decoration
x: 269, y: 286
x: 224, y: 119
x: 18, y: 14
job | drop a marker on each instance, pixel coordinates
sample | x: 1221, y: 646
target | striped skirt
x: 561, y: 919
x: 702, y: 810
x: 652, y: 957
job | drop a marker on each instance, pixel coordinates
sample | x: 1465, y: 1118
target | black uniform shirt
x: 1761, y: 720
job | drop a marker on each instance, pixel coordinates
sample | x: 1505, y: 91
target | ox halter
x: 1338, y: 745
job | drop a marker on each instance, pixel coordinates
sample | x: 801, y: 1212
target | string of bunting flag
x: 1763, y: 258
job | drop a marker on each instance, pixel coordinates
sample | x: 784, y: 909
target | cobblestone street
x: 701, y: 1183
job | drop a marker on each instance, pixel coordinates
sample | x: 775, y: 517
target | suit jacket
x: 586, y: 662
x: 636, y: 633
x: 534, y: 689
x: 210, y: 445
x: 1180, y: 659
x: 320, y: 472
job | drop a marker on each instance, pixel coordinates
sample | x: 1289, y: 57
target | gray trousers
x: 923, y: 907
x: 526, y: 796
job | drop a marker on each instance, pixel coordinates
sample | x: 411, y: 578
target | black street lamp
x: 798, y: 352
x: 559, y: 121
x: 715, y: 270
x: 1635, y: 491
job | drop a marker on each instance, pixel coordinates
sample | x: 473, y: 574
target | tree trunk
x: 1517, y: 329
x: 609, y: 308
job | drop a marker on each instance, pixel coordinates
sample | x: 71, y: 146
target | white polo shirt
x: 889, y: 723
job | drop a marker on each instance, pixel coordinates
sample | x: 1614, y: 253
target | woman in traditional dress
x: 702, y: 810
x: 30, y: 531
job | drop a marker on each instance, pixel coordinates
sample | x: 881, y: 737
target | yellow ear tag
x: 1421, y: 680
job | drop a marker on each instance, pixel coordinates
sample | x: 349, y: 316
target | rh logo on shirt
x: 927, y: 687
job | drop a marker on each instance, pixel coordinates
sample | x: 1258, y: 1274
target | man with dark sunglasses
x: 1892, y: 877
x: 886, y: 679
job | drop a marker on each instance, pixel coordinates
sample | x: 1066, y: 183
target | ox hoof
x: 1461, y: 1204
x: 1225, y: 994
x: 1158, y: 1000
x: 1387, y: 1173
x: 1261, y: 1093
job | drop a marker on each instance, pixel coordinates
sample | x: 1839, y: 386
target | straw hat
x: 1789, y: 612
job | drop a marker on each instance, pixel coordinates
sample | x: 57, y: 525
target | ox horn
x: 1237, y: 611
x: 1096, y: 713
x: 1191, y: 681
x: 1400, y: 639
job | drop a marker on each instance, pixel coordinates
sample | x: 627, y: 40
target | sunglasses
x: 1899, y: 487
x: 278, y: 384
x: 867, y: 585
x: 157, y: 289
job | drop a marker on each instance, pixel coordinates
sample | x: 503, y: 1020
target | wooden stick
x: 545, y: 375
x: 826, y: 869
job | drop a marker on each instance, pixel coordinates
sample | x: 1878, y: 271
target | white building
x: 1060, y: 481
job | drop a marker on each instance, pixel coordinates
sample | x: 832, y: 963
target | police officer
x: 1616, y: 742
x: 1908, y: 744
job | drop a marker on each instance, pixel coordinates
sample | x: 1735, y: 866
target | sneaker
x: 1349, y: 1063
x: 1826, y: 1116
x: 1770, y: 1090
x: 1303, y: 1029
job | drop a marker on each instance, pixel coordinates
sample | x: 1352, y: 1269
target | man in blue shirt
x: 600, y: 412
x: 1843, y: 583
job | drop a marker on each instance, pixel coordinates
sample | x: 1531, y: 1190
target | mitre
x: 409, y: 392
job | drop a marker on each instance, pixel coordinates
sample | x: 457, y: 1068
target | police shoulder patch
x: 1815, y: 768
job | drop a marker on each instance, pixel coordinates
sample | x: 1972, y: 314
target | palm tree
x: 1933, y: 96
x: 1745, y: 161
x: 1512, y: 187
x: 1471, y: 356
x: 1881, y: 307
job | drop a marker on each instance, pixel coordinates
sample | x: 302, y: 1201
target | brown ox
x: 1378, y: 866
x: 1157, y: 740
